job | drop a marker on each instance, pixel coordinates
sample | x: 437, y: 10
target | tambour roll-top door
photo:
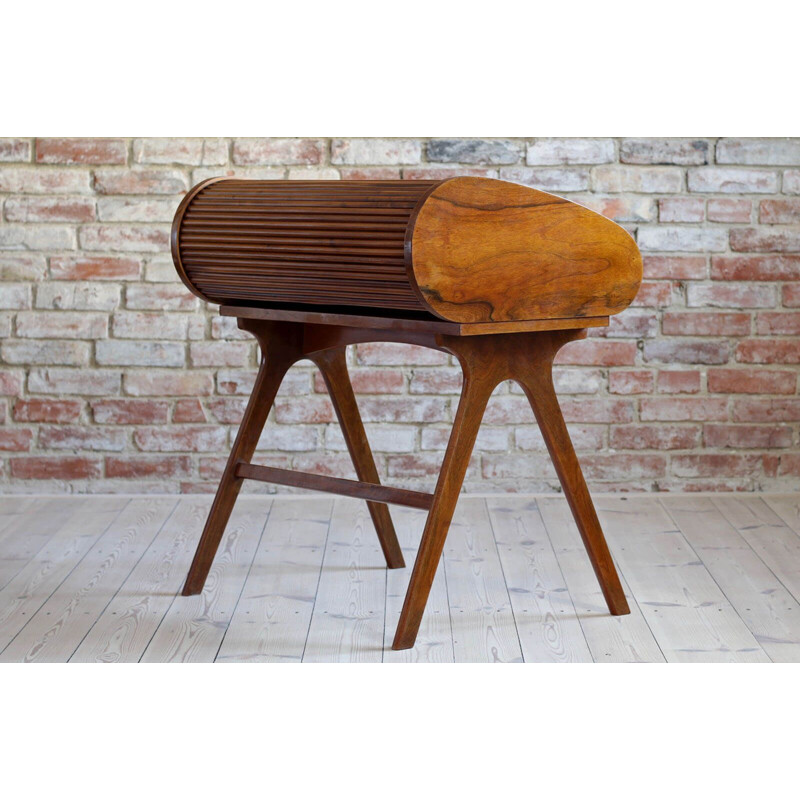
x: 333, y: 243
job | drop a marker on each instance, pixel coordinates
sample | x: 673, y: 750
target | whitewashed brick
x: 61, y: 325
x: 37, y: 237
x: 113, y: 352
x: 376, y: 151
x: 673, y: 238
x: 137, y: 209
x: 767, y: 152
x: 474, y: 151
x: 146, y: 325
x: 15, y: 296
x: 648, y: 180
x: 78, y: 296
x: 570, y: 151
x: 207, y: 152
x: 685, y: 152
x: 732, y: 180
x: 554, y: 180
x: 382, y: 438
x: 68, y: 354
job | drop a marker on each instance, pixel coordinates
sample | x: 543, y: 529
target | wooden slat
x: 58, y: 627
x: 26, y: 532
x: 759, y: 598
x: 480, y: 608
x: 193, y: 628
x: 689, y: 615
x: 435, y: 638
x: 343, y: 486
x: 347, y: 623
x: 776, y: 544
x: 546, y: 620
x: 626, y: 638
x: 272, y: 617
x: 787, y: 507
x: 29, y: 590
x: 127, y: 624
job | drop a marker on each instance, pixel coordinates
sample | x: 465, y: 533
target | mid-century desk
x: 500, y: 276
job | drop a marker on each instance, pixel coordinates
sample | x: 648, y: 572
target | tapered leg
x: 276, y: 360
x: 537, y: 381
x: 475, y: 394
x: 333, y: 366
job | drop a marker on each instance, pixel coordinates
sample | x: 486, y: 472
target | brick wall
x: 114, y: 378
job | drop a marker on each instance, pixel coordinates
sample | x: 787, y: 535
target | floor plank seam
x: 122, y: 583
x: 66, y: 577
x: 319, y: 578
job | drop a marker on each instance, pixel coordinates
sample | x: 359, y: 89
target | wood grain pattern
x: 480, y: 607
x: 273, y: 615
x: 687, y: 611
x: 125, y: 627
x: 62, y: 622
x: 467, y: 250
x: 490, y: 251
x: 32, y: 586
x: 193, y: 628
x: 617, y: 639
x: 544, y: 614
x: 434, y: 643
x: 759, y: 598
x: 348, y: 617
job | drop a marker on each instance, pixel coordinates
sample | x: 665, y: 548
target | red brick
x: 784, y: 211
x: 436, y: 381
x: 629, y: 466
x: 49, y: 209
x: 731, y: 296
x: 711, y: 465
x: 140, y: 181
x: 37, y: 410
x: 790, y: 465
x: 677, y: 381
x: 10, y: 383
x: 687, y: 351
x: 403, y: 409
x: 596, y: 410
x: 189, y: 438
x: 56, y: 467
x: 751, y: 381
x: 675, y: 267
x: 304, y: 409
x: 763, y: 409
x: 81, y: 151
x: 254, y: 152
x: 136, y: 238
x: 681, y: 209
x: 129, y: 412
x: 705, y: 324
x: 654, y: 437
x: 635, y: 381
x: 167, y: 384
x: 148, y: 466
x: 763, y: 240
x: 653, y: 295
x: 370, y: 173
x: 791, y: 295
x: 755, y: 268
x: 73, y: 437
x: 443, y: 173
x: 390, y: 354
x: 747, y: 436
x: 188, y: 411
x: 15, y: 150
x: 29, y: 180
x: 62, y: 325
x: 160, y: 297
x: 680, y: 409
x: 416, y: 465
x: 227, y: 410
x: 15, y: 439
x: 728, y: 210
x: 94, y: 268
x: 370, y: 381
x: 778, y: 324
x: 760, y: 351
x: 621, y: 208
x: 595, y: 352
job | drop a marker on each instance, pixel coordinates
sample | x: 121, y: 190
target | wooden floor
x: 301, y: 578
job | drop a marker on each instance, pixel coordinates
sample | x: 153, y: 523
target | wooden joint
x: 343, y: 486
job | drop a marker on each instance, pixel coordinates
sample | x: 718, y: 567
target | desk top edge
x: 409, y: 323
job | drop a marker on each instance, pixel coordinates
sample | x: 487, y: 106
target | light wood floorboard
x: 709, y: 578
